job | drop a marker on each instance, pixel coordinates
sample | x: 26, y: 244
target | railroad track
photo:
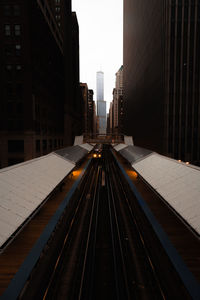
x: 110, y: 251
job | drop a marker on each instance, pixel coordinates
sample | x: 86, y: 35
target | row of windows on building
x: 13, y: 71
x: 52, y: 22
x: 13, y: 89
x: 11, y: 50
x: 12, y: 67
x: 11, y: 10
x: 14, y: 107
x: 17, y: 146
x: 9, y: 29
x: 15, y: 122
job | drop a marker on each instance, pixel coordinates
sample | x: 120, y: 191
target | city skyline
x: 100, y: 41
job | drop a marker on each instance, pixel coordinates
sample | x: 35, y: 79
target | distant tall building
x: 117, y: 108
x: 101, y: 113
x: 100, y: 86
x: 84, y: 91
x: 91, y: 115
x: 161, y: 76
x: 36, y: 66
x: 101, y: 104
x: 89, y: 107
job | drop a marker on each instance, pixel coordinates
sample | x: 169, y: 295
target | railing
x: 107, y: 139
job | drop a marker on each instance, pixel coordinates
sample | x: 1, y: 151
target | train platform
x: 180, y: 234
x: 15, y: 253
x: 42, y: 236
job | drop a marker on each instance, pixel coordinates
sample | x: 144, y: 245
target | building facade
x: 100, y: 85
x: 89, y: 107
x: 101, y: 113
x: 116, y: 113
x: 101, y: 104
x: 33, y: 77
x: 161, y: 76
x: 90, y: 115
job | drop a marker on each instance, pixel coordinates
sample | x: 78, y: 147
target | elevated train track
x: 109, y: 249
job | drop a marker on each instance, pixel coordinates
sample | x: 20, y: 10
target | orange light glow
x: 76, y: 173
x: 179, y: 160
x: 132, y: 174
x: 187, y: 163
x: 135, y: 175
x: 95, y: 155
x: 99, y: 155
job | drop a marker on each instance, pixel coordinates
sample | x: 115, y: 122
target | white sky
x: 100, y: 37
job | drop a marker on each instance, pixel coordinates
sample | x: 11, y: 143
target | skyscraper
x: 100, y: 86
x: 161, y: 76
x: 38, y: 51
x: 101, y: 104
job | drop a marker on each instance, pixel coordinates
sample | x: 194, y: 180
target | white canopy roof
x: 178, y: 183
x: 23, y: 187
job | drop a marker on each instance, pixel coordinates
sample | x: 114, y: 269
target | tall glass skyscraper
x: 100, y: 86
x: 101, y: 104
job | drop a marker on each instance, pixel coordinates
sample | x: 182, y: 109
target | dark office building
x: 161, y: 76
x: 74, y: 107
x: 90, y: 113
x: 33, y: 77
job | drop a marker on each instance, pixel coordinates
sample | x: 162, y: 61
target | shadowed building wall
x: 143, y: 73
x: 161, y: 76
x: 39, y: 65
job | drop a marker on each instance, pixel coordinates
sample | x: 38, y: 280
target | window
x: 9, y: 70
x: 10, y: 107
x: 7, y: 10
x: 57, y: 8
x: 50, y: 144
x: 19, y: 89
x: 8, y: 50
x: 8, y: 67
x: 57, y: 17
x: 18, y: 50
x: 14, y: 161
x: 7, y: 29
x: 57, y: 1
x: 55, y: 143
x: 15, y: 146
x: 37, y: 144
x: 11, y: 125
x: 18, y: 67
x: 9, y: 89
x: 17, y: 29
x: 16, y: 10
x: 44, y: 144
x: 19, y: 108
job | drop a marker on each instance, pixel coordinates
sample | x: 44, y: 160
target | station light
x: 135, y: 174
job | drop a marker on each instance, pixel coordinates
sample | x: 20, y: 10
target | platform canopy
x: 24, y: 187
x: 87, y: 146
x: 74, y: 153
x: 133, y: 153
x: 120, y: 147
x: 177, y: 182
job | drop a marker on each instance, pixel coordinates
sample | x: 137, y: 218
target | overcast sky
x: 100, y: 36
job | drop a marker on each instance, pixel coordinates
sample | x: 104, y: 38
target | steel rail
x: 142, y: 239
x: 62, y: 251
x: 89, y: 236
x: 112, y: 197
